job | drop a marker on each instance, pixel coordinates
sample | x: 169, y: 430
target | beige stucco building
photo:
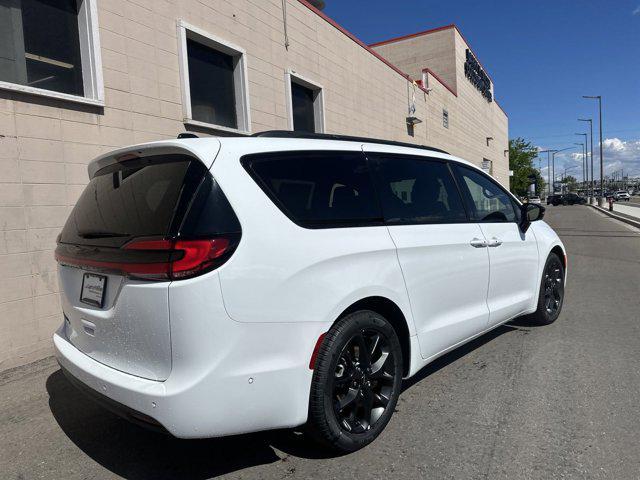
x: 136, y: 70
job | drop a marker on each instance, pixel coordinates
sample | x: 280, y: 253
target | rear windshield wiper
x: 98, y: 234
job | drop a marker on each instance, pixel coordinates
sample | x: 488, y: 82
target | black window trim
x: 421, y: 158
x: 248, y: 160
x: 469, y: 201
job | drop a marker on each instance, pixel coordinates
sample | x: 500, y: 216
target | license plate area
x: 93, y: 289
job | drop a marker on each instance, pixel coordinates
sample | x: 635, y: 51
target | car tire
x: 551, y: 295
x: 352, y: 398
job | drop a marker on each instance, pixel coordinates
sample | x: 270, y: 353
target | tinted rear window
x: 318, y: 189
x: 148, y: 197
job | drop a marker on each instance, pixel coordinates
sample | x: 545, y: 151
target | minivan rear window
x: 150, y: 196
x: 318, y: 189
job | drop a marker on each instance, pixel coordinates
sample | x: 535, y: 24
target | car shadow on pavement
x: 452, y: 356
x: 138, y: 454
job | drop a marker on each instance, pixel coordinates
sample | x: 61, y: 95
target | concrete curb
x: 633, y: 223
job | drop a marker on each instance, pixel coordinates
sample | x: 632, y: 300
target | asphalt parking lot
x: 518, y: 403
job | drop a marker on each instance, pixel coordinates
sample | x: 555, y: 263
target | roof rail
x: 345, y: 138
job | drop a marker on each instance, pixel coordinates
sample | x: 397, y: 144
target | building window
x: 50, y: 47
x: 305, y: 103
x: 214, y: 81
x: 445, y: 118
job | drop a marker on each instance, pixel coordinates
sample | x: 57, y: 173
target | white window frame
x: 318, y: 105
x: 445, y: 118
x: 240, y: 77
x: 90, y: 58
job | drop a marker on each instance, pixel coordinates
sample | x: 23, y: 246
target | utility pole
x: 553, y: 161
x: 591, y: 130
x: 585, y: 143
x: 599, y: 97
x: 584, y: 154
x: 548, y: 170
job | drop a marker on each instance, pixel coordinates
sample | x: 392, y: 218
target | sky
x: 543, y: 56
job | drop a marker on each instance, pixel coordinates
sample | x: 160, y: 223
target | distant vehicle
x: 534, y: 200
x: 566, y: 199
x: 622, y: 195
x: 573, y: 199
x: 554, y: 200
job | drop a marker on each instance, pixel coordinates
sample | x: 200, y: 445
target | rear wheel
x: 356, y: 382
x: 551, y: 295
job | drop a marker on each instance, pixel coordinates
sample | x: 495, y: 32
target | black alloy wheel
x: 363, y: 381
x: 551, y: 297
x: 356, y: 382
x: 553, y: 287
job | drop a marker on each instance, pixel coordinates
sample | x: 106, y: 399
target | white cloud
x: 636, y: 11
x: 619, y: 154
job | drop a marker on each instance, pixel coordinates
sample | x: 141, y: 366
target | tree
x: 570, y: 181
x: 521, y: 155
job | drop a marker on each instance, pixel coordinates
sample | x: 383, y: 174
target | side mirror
x: 530, y: 212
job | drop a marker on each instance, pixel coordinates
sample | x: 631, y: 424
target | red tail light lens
x: 154, y: 259
x: 188, y: 257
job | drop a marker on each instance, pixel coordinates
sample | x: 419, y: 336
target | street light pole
x: 599, y: 97
x: 591, y: 130
x: 553, y: 161
x: 566, y: 170
x: 548, y: 170
x: 585, y: 147
x: 583, y: 157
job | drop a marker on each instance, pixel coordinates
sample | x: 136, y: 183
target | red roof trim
x: 380, y: 57
x: 355, y: 39
x: 412, y: 35
x: 444, y: 84
x: 427, y: 32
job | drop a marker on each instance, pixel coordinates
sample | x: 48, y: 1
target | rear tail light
x: 187, y: 257
x: 154, y: 259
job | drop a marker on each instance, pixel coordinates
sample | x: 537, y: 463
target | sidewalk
x: 626, y: 213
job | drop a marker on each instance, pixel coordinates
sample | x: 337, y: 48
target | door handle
x: 494, y: 242
x: 477, y: 243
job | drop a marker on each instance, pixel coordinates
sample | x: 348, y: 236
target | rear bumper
x: 121, y: 410
x: 236, y: 393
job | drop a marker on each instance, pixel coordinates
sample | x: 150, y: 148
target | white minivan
x: 217, y: 286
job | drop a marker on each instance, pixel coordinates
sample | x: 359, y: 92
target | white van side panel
x: 319, y: 275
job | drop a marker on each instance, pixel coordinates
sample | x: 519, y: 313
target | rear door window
x: 318, y: 189
x: 416, y: 190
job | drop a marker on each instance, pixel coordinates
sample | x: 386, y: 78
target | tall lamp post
x: 585, y: 151
x: 584, y: 154
x: 599, y: 97
x: 565, y: 172
x: 548, y: 169
x: 591, y: 130
x: 553, y: 162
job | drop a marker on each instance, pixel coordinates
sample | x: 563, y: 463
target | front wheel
x: 551, y: 296
x: 356, y: 382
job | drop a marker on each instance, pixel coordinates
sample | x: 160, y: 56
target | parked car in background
x: 573, y: 199
x: 622, y: 195
x: 535, y: 200
x: 218, y: 286
x: 555, y: 200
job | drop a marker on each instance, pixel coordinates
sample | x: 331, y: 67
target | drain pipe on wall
x: 284, y: 19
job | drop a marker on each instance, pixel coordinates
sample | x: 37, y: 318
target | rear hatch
x: 142, y: 221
